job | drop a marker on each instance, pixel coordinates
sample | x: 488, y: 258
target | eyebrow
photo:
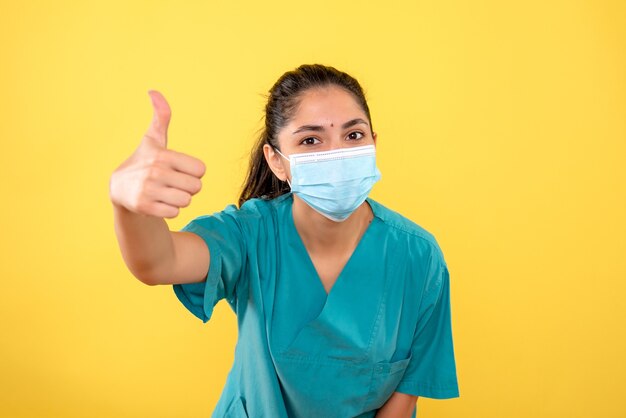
x: 321, y: 128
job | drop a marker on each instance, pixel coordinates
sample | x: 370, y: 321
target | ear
x: 275, y: 162
x: 374, y: 135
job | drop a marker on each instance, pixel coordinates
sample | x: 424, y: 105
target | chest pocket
x: 385, y: 379
x: 236, y: 409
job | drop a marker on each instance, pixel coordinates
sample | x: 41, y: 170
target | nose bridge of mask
x: 332, y: 155
x: 339, y: 165
x: 324, y: 156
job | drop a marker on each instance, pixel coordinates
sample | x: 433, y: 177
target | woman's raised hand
x: 154, y: 180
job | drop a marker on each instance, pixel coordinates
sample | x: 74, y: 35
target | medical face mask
x: 334, y: 183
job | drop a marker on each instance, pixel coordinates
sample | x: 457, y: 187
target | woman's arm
x: 152, y: 184
x: 399, y: 405
x: 156, y: 255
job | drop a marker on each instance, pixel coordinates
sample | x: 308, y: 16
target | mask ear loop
x: 276, y: 149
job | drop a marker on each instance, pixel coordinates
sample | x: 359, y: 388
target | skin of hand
x: 155, y: 180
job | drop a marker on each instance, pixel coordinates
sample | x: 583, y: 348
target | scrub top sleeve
x: 222, y: 234
x: 431, y: 373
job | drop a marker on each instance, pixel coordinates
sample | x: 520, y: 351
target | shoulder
x: 253, y: 212
x: 408, y: 231
x: 422, y: 257
x: 401, y: 224
x: 262, y: 208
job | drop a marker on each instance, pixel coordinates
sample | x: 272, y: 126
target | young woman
x: 342, y: 304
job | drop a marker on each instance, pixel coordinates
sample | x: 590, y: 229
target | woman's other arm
x: 399, y: 405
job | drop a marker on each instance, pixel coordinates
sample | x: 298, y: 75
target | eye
x: 356, y: 135
x: 310, y: 141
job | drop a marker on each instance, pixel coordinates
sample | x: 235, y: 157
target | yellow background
x: 502, y: 130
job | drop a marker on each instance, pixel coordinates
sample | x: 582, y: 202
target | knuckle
x: 155, y: 172
x: 161, y: 156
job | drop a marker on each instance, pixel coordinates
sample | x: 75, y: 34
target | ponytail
x: 261, y: 181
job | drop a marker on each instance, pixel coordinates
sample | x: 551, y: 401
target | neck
x: 322, y: 235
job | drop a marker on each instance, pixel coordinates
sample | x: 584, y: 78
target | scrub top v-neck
x: 384, y: 326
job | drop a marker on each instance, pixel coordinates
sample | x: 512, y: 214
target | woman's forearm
x: 145, y: 242
x: 399, y: 405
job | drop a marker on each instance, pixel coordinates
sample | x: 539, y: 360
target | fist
x: 154, y: 180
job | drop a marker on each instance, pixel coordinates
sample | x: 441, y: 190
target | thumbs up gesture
x: 154, y: 180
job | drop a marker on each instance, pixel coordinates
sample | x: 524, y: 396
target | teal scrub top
x: 301, y: 352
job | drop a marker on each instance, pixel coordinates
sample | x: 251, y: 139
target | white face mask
x: 334, y: 183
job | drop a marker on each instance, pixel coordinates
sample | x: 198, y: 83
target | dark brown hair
x: 281, y: 105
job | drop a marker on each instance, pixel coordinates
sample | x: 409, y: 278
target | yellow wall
x: 502, y: 130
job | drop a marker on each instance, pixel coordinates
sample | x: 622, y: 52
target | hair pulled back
x: 281, y: 104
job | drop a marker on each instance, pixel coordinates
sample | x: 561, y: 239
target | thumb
x: 160, y: 118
